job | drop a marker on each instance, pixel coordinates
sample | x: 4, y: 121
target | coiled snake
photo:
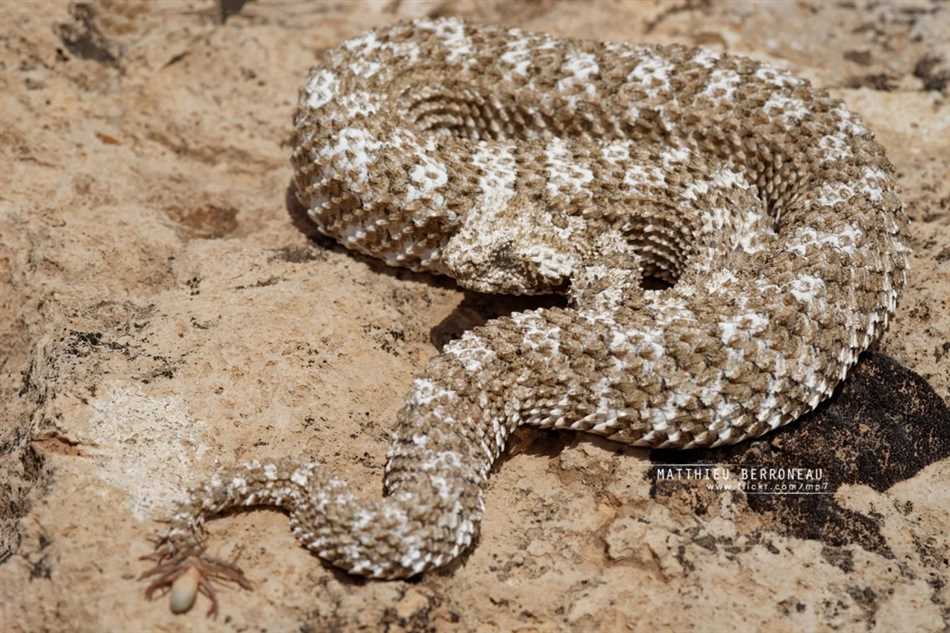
x: 729, y: 238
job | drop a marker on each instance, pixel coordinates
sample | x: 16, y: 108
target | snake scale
x: 729, y: 239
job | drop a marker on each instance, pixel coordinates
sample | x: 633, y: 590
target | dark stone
x: 928, y: 69
x: 82, y: 37
x: 875, y: 81
x: 862, y: 58
x: 883, y: 425
x: 227, y: 8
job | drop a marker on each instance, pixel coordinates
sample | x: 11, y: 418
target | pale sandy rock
x: 160, y: 314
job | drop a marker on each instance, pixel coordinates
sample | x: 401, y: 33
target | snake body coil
x: 729, y: 238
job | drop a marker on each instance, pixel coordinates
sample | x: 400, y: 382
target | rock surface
x: 162, y: 310
x: 883, y: 426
